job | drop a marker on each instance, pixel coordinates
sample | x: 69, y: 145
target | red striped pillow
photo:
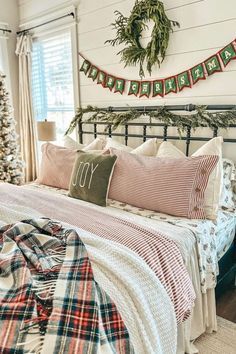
x: 170, y: 186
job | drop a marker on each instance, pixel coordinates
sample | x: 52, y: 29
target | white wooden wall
x: 206, y: 27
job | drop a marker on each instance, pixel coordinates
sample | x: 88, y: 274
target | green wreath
x: 129, y: 32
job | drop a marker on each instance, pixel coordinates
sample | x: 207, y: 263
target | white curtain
x: 28, y: 136
x: 4, y: 64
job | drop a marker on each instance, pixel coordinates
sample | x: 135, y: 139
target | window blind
x: 52, y: 80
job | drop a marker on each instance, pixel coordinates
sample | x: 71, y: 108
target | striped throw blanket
x: 49, y: 300
x: 159, y: 252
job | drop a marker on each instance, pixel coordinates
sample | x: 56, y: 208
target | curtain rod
x: 5, y: 30
x: 188, y: 108
x: 45, y: 23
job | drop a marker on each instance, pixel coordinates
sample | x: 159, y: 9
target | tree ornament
x: 129, y: 32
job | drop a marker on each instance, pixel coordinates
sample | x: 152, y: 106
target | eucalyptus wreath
x: 129, y: 32
x: 202, y: 118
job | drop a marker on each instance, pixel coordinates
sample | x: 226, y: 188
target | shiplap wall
x: 206, y: 26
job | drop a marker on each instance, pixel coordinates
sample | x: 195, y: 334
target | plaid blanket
x: 49, y: 300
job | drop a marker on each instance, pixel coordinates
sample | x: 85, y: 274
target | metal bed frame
x: 227, y: 265
x: 143, y: 125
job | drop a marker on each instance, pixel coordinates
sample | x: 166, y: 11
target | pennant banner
x: 161, y: 87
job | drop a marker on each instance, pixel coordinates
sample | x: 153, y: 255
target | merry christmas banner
x: 162, y: 87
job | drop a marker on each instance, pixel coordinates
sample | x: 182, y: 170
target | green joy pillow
x: 91, y: 176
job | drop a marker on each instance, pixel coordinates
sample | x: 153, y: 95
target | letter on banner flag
x: 158, y: 88
x: 110, y: 82
x: 198, y: 73
x: 119, y: 85
x: 85, y: 66
x: 145, y: 89
x: 134, y: 88
x: 213, y: 65
x: 227, y: 54
x: 170, y: 85
x: 93, y: 73
x: 101, y: 78
x: 183, y: 80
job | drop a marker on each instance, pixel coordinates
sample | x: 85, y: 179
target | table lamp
x: 46, y: 131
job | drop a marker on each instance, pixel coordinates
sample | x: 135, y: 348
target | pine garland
x: 129, y: 32
x: 202, y: 118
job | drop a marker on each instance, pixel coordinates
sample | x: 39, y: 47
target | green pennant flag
x: 198, y: 73
x: 213, y: 65
x: 110, y: 82
x: 183, y: 80
x: 170, y: 85
x: 85, y: 66
x: 134, y: 88
x: 101, y: 78
x: 145, y: 89
x: 119, y: 86
x: 158, y: 88
x: 227, y: 54
x: 93, y: 73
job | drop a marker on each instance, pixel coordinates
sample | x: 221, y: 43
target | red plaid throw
x: 49, y: 300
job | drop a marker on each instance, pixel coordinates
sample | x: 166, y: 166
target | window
x: 52, y: 81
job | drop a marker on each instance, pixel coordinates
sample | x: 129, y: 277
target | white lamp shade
x: 46, y: 131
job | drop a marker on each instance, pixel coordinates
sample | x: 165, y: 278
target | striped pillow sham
x: 170, y: 186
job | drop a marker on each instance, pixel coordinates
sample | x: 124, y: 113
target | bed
x: 168, y: 313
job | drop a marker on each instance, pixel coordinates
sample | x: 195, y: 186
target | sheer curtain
x: 4, y: 65
x: 28, y: 134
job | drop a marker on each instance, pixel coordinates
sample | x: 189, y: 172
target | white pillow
x: 166, y: 149
x: 96, y: 144
x: 214, y: 186
x: 148, y: 148
x: 70, y: 143
x: 112, y: 143
x: 227, y: 199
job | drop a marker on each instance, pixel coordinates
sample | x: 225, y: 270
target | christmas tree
x: 11, y: 166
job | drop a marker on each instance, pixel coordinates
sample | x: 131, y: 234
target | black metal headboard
x: 144, y: 125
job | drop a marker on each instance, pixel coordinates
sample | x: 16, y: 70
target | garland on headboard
x: 202, y: 118
x: 162, y: 87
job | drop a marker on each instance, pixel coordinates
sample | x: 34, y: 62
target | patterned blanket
x: 160, y: 253
x: 49, y: 300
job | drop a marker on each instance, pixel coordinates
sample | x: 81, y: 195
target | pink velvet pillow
x: 56, y: 166
x: 171, y: 186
